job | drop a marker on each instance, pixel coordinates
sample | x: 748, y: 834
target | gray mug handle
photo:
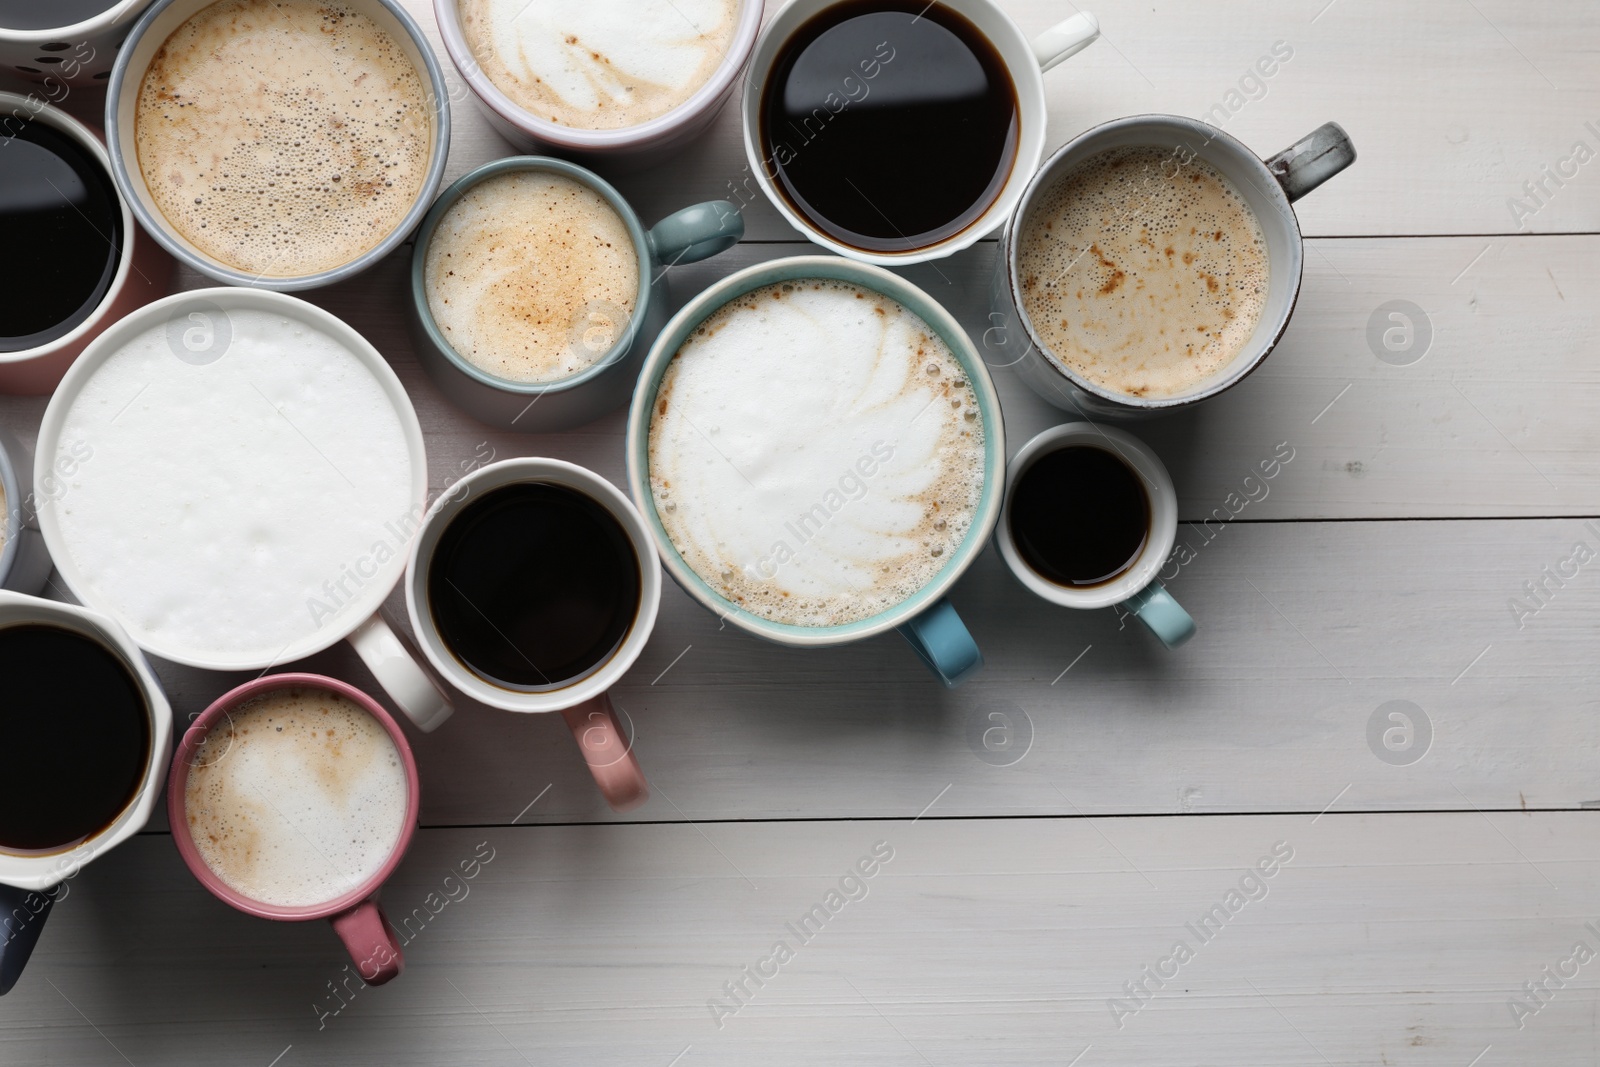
x: 19, y: 931
x: 1312, y: 160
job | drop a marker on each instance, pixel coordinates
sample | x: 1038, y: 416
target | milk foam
x: 1143, y: 275
x: 532, y: 276
x: 816, y: 452
x: 234, y: 508
x: 283, y: 137
x: 598, y: 64
x: 296, y: 798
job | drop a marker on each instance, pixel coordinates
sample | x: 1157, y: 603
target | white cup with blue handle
x: 1134, y: 589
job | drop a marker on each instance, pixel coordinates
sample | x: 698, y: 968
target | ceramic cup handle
x: 697, y: 232
x: 396, y: 669
x: 1160, y: 611
x: 940, y: 637
x: 22, y: 916
x: 608, y: 752
x: 1065, y: 39
x: 364, y: 929
x: 1312, y: 160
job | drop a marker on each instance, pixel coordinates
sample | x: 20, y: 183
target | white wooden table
x: 1024, y: 894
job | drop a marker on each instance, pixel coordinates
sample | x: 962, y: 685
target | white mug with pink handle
x: 533, y: 586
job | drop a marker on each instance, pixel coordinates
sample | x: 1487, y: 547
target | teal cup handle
x: 1158, y: 610
x: 940, y: 637
x: 697, y: 232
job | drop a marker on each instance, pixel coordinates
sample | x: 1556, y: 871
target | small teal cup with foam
x: 926, y: 619
x: 1135, y: 590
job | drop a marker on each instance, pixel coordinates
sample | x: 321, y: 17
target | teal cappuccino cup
x: 824, y: 461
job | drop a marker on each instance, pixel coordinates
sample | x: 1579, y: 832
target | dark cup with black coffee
x: 1089, y: 519
x: 533, y: 586
x: 86, y: 733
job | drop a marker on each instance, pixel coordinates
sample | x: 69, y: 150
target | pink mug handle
x: 609, y: 755
x: 364, y: 929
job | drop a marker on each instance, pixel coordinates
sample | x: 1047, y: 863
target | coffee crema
x: 1142, y: 273
x: 283, y: 137
x: 599, y: 64
x: 296, y: 797
x: 816, y: 452
x: 532, y: 276
x: 239, y: 504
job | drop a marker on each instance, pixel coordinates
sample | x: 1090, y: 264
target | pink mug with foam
x: 356, y: 915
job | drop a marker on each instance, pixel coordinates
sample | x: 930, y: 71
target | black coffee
x: 76, y: 738
x: 63, y: 234
x: 533, y: 585
x: 1079, y: 516
x: 48, y: 14
x: 889, y: 125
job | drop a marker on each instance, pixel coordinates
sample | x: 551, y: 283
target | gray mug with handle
x: 694, y: 233
x: 1269, y: 187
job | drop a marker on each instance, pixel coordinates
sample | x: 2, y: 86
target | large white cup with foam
x: 255, y: 475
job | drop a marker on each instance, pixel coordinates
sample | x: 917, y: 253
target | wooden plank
x: 1397, y: 939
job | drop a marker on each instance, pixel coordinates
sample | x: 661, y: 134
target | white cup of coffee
x: 1108, y: 305
x: 257, y: 475
x: 1089, y: 519
x: 532, y: 587
x: 895, y: 132
x: 600, y: 80
x: 248, y: 138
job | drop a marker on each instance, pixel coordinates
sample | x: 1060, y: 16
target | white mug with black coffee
x: 1153, y: 262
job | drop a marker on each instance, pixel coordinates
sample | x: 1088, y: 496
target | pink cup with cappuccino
x: 294, y: 797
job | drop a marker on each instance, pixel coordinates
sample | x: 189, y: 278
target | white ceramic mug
x: 144, y: 270
x: 74, y: 54
x: 585, y: 702
x: 1025, y: 60
x: 30, y: 885
x: 1136, y: 589
x: 202, y: 314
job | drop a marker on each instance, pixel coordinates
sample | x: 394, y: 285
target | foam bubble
x: 234, y: 508
x: 532, y: 276
x: 283, y: 137
x: 299, y: 798
x: 816, y: 452
x: 599, y: 64
x: 1143, y: 275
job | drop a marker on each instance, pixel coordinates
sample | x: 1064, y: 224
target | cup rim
x: 522, y: 164
x: 580, y: 139
x: 1240, y: 368
x: 178, y: 776
x: 156, y: 225
x: 1026, y: 77
x: 40, y: 871
x: 515, y: 471
x: 1163, y: 531
x: 350, y: 615
x: 85, y: 137
x: 915, y: 300
x: 83, y: 27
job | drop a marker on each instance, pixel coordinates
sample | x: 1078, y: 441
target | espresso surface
x: 296, y: 797
x: 1143, y: 273
x: 283, y: 137
x: 48, y: 14
x: 598, y: 64
x: 532, y: 276
x: 533, y: 585
x: 76, y: 738
x: 1079, y: 516
x: 816, y: 452
x: 889, y: 125
x: 63, y: 234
